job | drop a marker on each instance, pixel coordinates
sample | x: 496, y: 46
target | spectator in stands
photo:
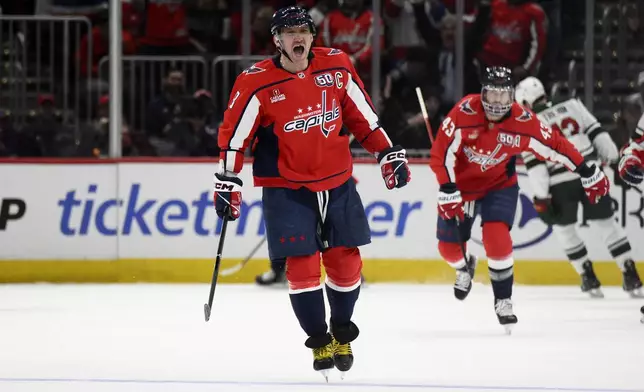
x: 401, y: 23
x: 16, y: 143
x: 441, y: 41
x: 261, y: 40
x: 180, y: 136
x: 8, y: 136
x: 350, y: 28
x: 469, y: 12
x: 95, y: 136
x: 516, y: 38
x: 165, y: 27
x: 100, y: 35
x: 54, y: 138
x: 161, y: 109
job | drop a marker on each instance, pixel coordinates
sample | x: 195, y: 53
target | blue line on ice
x: 315, y: 384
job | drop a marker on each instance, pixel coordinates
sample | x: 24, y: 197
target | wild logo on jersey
x: 485, y: 160
x: 310, y: 117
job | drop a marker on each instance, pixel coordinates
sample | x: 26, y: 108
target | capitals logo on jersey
x: 253, y: 70
x: 321, y: 117
x: 486, y: 161
x: 466, y: 107
x: 524, y: 117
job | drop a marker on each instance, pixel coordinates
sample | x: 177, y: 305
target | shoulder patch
x: 466, y: 107
x: 524, y: 117
x: 334, y: 52
x: 253, y: 69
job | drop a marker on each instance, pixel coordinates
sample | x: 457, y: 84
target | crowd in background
x: 175, y: 113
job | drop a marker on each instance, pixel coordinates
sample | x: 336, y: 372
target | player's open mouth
x: 298, y: 50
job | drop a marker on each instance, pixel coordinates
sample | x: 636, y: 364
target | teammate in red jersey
x: 631, y: 163
x: 296, y: 111
x: 473, y: 158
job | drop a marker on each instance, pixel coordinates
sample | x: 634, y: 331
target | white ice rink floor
x: 145, y: 338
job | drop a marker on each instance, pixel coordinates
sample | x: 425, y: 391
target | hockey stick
x: 423, y: 109
x: 236, y: 268
x: 215, y: 274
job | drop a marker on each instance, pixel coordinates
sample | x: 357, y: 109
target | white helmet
x: 529, y: 90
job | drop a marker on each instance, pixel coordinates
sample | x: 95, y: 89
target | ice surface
x: 106, y: 338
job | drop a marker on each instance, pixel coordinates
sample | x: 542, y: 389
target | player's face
x: 497, y: 101
x: 296, y: 42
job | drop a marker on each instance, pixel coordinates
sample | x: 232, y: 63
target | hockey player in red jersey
x: 631, y: 163
x: 473, y: 158
x: 296, y: 111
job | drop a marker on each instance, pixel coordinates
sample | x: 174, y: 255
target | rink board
x: 127, y: 221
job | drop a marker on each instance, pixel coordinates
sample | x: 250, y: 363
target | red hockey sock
x: 452, y: 253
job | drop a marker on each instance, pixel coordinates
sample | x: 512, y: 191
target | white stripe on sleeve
x: 551, y: 154
x: 245, y: 126
x: 357, y: 96
x: 450, y: 155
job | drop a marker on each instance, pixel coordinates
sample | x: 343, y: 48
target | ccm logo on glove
x: 394, y: 168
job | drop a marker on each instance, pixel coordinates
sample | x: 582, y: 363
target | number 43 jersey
x: 479, y: 155
x: 297, y: 124
x: 571, y: 119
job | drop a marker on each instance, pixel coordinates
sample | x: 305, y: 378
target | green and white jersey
x: 571, y: 118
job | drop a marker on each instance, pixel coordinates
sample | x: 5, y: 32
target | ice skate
x: 271, y: 278
x: 342, y: 357
x: 589, y: 282
x: 343, y: 335
x: 464, y: 277
x: 322, y: 347
x: 505, y: 314
x: 632, y: 282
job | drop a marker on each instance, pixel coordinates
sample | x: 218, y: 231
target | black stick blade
x: 206, y: 311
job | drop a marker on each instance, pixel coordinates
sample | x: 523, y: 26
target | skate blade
x: 508, y: 328
x: 342, y: 375
x: 325, y: 373
x: 637, y: 293
x: 595, y: 293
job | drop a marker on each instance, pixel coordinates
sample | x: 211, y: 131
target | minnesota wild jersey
x: 570, y: 118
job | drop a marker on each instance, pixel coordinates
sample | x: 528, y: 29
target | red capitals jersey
x: 516, y: 37
x: 294, y: 123
x: 351, y: 35
x: 166, y: 23
x: 479, y: 155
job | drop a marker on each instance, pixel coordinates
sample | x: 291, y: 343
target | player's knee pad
x: 498, y: 245
x: 303, y: 273
x: 568, y: 236
x: 452, y: 253
x: 343, y: 267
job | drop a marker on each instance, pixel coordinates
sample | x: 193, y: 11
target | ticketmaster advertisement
x: 110, y: 211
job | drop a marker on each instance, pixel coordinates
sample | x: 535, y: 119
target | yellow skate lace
x: 323, y: 352
x: 341, y: 349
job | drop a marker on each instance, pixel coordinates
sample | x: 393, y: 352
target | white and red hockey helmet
x: 529, y: 91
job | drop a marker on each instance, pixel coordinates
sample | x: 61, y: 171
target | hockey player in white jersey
x: 558, y: 192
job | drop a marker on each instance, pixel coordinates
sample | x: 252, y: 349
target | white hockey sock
x: 615, y: 239
x: 572, y: 245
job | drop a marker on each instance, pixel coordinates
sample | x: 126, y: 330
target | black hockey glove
x: 227, y: 196
x: 394, y: 168
x: 546, y: 210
